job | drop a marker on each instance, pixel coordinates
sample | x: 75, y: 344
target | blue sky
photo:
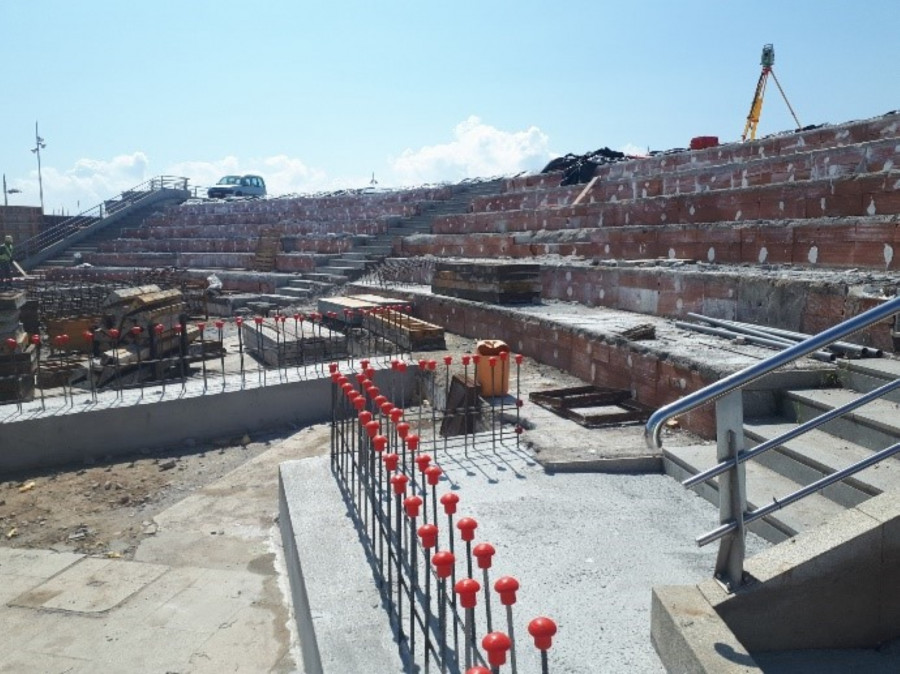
x: 318, y: 96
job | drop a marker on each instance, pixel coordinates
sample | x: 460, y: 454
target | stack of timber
x: 18, y: 358
x: 407, y: 332
x: 283, y: 343
x: 488, y: 281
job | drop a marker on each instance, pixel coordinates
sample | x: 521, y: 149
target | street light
x: 11, y: 190
x: 39, y: 145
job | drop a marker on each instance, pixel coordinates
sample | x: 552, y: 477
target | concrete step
x: 376, y: 250
x: 310, y: 285
x: 875, y: 426
x: 299, y: 293
x: 870, y: 373
x: 763, y: 485
x: 325, y: 277
x: 350, y: 263
x: 354, y: 255
x: 817, y: 454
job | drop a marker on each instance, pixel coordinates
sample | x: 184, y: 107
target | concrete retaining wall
x: 113, y: 428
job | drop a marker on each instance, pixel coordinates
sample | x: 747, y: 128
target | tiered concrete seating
x: 822, y: 197
x: 225, y: 235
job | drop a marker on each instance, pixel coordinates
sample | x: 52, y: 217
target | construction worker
x: 6, y: 260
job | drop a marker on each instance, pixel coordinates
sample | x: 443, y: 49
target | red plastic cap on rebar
x: 422, y: 365
x: 506, y: 587
x: 504, y: 355
x: 361, y: 379
x: 492, y: 361
x: 115, y: 333
x: 449, y: 501
x: 412, y: 441
x: 433, y: 474
x: 466, y: 360
x: 372, y: 428
x: 403, y: 430
x: 443, y: 562
x: 484, y: 552
x: 335, y: 376
x: 478, y: 670
x: 88, y: 335
x: 542, y: 630
x: 342, y: 379
x: 395, y: 364
x: 432, y: 365
x: 332, y: 367
x: 370, y: 372
x: 448, y: 360
x: 364, y: 364
x: 467, y: 589
x: 467, y: 527
x: 365, y: 417
x: 428, y: 534
x: 11, y: 344
x: 390, y: 461
x: 239, y: 321
x: 258, y: 320
x: 398, y: 482
x: 373, y: 392
x: 518, y: 359
x: 496, y: 644
x: 412, y: 505
x: 200, y: 326
x: 401, y: 367
x: 379, y: 400
x: 358, y: 402
x: 476, y: 359
x: 422, y: 461
x: 386, y: 408
x: 379, y: 442
x: 159, y: 327
x: 396, y: 415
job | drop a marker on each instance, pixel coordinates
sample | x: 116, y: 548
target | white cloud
x: 633, y: 150
x: 84, y: 185
x: 477, y: 150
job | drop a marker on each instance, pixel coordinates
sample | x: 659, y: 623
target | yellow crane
x: 767, y: 61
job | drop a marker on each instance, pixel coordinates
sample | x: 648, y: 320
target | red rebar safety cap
x: 496, y: 644
x: 449, y: 501
x: 484, y: 552
x: 467, y: 589
x: 542, y: 630
x: 467, y: 527
x: 506, y: 587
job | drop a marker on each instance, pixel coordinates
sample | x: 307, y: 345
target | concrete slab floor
x: 203, y: 594
x: 586, y: 549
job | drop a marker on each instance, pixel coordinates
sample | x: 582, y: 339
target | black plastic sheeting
x: 580, y: 168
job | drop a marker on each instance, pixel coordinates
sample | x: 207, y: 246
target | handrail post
x: 732, y: 489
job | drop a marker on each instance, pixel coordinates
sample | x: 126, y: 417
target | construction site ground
x: 200, y: 518
x: 107, y: 508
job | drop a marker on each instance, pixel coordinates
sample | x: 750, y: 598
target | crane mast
x: 767, y: 61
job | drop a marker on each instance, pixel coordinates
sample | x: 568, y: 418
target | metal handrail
x: 789, y: 435
x: 742, y: 378
x: 94, y: 214
x: 733, y: 512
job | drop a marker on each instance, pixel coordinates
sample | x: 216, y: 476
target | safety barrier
x: 390, y: 473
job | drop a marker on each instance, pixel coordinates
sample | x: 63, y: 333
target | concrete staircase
x: 803, y: 460
x: 368, y: 251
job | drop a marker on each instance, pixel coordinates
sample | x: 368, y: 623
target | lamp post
x: 39, y: 145
x: 11, y: 190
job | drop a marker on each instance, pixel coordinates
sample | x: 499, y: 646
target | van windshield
x: 229, y: 180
